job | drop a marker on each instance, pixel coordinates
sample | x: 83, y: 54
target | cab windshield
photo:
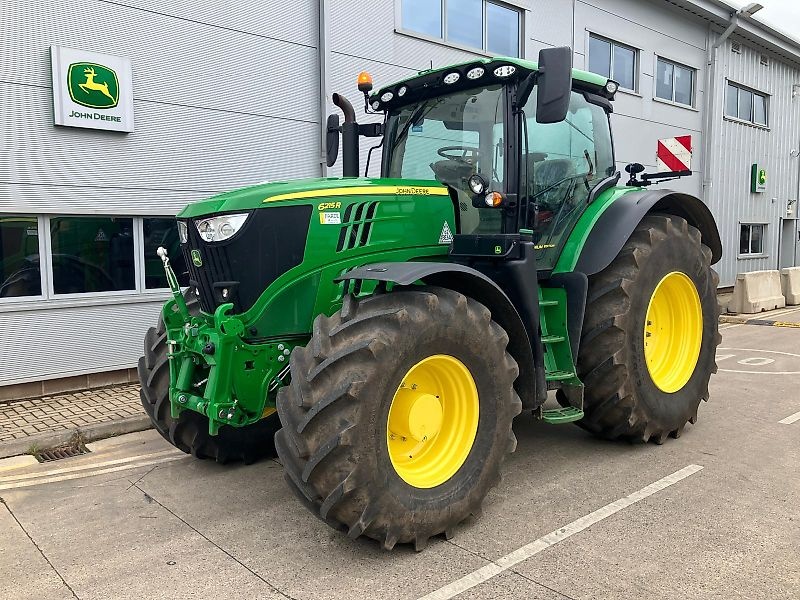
x: 449, y: 138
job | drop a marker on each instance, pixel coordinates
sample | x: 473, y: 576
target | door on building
x: 789, y: 251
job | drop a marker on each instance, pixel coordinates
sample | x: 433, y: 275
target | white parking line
x: 543, y: 543
x: 790, y: 419
x: 43, y: 480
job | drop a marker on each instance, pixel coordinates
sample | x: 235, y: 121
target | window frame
x: 729, y: 83
x: 614, y: 42
x: 48, y: 297
x: 672, y: 100
x: 513, y: 5
x: 41, y: 233
x: 750, y: 225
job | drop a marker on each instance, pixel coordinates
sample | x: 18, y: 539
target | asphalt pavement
x: 714, y: 514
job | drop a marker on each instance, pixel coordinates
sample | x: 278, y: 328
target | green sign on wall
x: 92, y: 85
x: 758, y: 178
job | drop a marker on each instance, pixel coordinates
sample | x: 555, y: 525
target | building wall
x: 228, y: 95
x: 740, y: 145
x: 225, y: 95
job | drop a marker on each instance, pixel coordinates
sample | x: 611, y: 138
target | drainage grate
x: 61, y: 452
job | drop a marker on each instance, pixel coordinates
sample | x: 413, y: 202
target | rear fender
x: 616, y: 224
x: 472, y: 284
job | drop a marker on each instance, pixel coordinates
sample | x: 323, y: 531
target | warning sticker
x: 446, y: 236
x: 330, y: 218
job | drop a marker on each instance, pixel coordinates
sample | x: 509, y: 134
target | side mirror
x: 332, y: 140
x: 555, y: 84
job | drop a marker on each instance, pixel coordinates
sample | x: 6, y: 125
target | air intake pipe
x: 350, y: 144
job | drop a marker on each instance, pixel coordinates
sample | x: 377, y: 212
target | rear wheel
x: 650, y: 334
x: 398, y: 416
x: 190, y: 431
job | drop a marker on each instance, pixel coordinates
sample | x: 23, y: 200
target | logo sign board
x: 674, y: 154
x: 758, y: 178
x: 91, y: 90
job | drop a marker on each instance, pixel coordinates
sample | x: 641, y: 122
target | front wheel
x: 650, y: 334
x: 398, y: 415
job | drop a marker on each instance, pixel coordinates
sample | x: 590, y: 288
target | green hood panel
x: 304, y: 190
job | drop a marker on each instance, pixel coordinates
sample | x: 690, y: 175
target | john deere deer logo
x: 93, y: 85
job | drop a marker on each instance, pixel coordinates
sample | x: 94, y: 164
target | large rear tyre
x: 650, y: 334
x: 398, y: 416
x: 189, y: 432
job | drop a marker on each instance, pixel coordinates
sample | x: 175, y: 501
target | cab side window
x: 562, y: 163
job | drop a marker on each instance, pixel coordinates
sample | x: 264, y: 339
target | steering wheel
x: 469, y: 154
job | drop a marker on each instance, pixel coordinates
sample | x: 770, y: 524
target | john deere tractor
x: 382, y: 334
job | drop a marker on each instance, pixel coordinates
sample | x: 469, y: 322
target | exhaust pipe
x: 350, y: 144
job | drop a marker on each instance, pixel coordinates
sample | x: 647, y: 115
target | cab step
x: 559, y: 375
x: 557, y: 416
x: 553, y: 339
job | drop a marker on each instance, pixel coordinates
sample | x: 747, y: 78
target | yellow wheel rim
x: 673, y: 332
x: 433, y: 421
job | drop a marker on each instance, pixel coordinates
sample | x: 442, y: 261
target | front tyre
x: 650, y: 334
x: 398, y: 416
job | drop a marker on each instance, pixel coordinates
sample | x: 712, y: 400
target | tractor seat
x: 547, y: 173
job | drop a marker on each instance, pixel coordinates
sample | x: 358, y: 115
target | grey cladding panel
x: 173, y: 148
x: 67, y: 346
x: 173, y: 60
x: 293, y: 21
x: 550, y: 22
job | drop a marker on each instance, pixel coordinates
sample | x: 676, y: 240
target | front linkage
x: 212, y: 370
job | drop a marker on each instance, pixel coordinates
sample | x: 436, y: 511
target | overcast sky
x: 779, y: 14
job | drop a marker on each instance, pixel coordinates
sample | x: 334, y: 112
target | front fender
x: 477, y: 286
x: 620, y: 217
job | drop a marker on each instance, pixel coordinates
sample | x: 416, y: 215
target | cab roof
x: 430, y: 80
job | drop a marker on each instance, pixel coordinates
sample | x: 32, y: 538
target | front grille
x: 272, y: 241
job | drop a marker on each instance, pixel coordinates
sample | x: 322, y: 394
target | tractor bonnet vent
x: 356, y: 225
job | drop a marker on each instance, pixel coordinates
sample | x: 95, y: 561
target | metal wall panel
x: 742, y: 145
x: 182, y: 149
x: 49, y: 343
x: 174, y: 61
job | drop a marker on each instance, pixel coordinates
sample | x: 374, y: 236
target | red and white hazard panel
x: 674, y: 154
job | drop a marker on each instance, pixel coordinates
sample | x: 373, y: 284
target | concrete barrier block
x: 790, y: 284
x: 756, y: 292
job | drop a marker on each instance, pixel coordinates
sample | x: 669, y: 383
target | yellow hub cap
x: 673, y: 332
x: 433, y: 421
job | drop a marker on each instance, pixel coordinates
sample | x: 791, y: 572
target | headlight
x: 451, y: 78
x: 221, y: 228
x: 505, y: 71
x: 612, y: 86
x: 183, y: 232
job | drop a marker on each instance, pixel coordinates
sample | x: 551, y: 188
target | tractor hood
x: 261, y: 195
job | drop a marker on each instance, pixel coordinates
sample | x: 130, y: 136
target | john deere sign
x: 91, y: 90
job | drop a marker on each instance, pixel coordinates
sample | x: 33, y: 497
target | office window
x: 92, y: 254
x: 19, y: 256
x: 751, y: 238
x: 745, y: 104
x: 423, y: 16
x: 490, y: 26
x: 162, y: 231
x: 614, y: 60
x: 674, y: 82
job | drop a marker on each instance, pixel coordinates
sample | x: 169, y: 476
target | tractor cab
x: 520, y: 146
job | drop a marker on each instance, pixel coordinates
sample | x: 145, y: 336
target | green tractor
x: 381, y: 335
